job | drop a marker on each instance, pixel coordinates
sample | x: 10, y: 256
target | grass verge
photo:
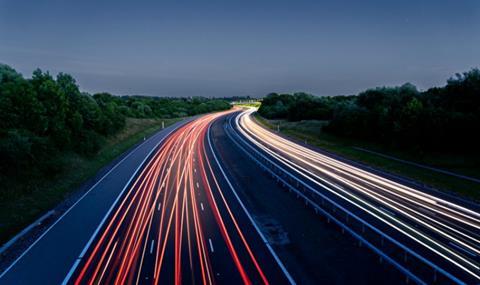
x: 311, y: 132
x: 252, y: 104
x: 18, y: 211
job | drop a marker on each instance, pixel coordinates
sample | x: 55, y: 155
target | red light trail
x: 174, y: 224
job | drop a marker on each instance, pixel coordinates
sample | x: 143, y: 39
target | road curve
x: 444, y: 231
x: 49, y: 258
x: 166, y: 213
x: 177, y: 223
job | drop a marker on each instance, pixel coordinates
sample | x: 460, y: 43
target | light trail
x: 158, y: 233
x: 447, y: 229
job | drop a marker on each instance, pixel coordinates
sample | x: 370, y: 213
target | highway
x: 446, y: 231
x: 179, y: 223
x: 166, y: 213
x: 49, y: 258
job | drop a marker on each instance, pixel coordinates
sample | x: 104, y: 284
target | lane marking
x: 70, y: 273
x: 74, y: 267
x: 198, y: 185
x: 447, y: 274
x: 211, y: 245
x: 201, y: 205
x: 159, y: 205
x: 264, y: 239
x: 277, y: 157
x: 151, y: 246
x: 76, y: 262
x: 195, y: 170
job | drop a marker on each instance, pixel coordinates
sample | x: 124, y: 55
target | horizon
x: 161, y: 142
x: 250, y: 96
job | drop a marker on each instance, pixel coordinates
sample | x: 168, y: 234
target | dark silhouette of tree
x: 441, y: 118
x: 42, y: 117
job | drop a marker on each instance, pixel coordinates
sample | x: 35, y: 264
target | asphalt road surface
x: 313, y: 250
x: 49, y: 259
x: 166, y: 213
x: 179, y: 222
x: 446, y: 231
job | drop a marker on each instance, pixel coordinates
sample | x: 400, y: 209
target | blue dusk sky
x: 228, y: 48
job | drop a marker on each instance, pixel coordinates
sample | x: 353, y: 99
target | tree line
x: 44, y: 116
x: 441, y: 118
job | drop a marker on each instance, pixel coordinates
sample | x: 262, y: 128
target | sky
x: 239, y: 48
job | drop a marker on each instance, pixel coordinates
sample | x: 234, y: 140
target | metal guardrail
x: 327, y: 207
x: 26, y: 230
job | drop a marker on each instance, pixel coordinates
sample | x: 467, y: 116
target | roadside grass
x: 18, y: 211
x: 253, y: 104
x: 311, y: 132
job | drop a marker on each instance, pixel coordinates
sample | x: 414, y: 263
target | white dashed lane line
x: 151, y: 246
x: 211, y: 245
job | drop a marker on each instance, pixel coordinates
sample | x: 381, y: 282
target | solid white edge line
x: 74, y: 204
x: 70, y: 273
x: 74, y: 267
x: 265, y: 241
